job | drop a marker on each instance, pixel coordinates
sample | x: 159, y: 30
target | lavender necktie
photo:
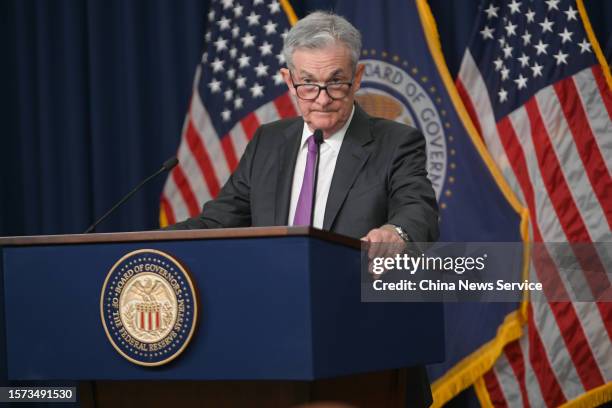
x: 304, y: 205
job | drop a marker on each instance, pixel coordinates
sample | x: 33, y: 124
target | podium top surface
x: 225, y: 233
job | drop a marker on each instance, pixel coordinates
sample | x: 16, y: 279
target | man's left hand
x: 385, y: 242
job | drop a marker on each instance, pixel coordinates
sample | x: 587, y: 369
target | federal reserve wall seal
x: 148, y: 307
x: 392, y: 90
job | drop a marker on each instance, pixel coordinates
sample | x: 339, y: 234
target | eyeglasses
x: 310, y: 92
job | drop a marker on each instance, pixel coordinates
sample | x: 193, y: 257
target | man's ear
x: 358, y: 76
x: 287, y: 78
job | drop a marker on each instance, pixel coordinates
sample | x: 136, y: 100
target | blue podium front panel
x: 269, y: 308
x: 351, y: 336
x: 254, y: 311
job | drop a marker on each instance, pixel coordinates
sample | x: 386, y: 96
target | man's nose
x: 323, y: 98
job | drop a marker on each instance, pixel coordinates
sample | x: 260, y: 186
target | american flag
x: 237, y: 87
x: 540, y: 98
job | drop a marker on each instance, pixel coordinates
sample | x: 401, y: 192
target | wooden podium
x: 281, y: 321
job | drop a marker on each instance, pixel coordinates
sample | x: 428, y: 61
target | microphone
x: 167, y: 166
x: 318, y: 138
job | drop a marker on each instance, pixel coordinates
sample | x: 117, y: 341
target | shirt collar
x: 335, y: 140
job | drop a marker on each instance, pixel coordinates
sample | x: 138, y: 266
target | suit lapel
x: 351, y: 158
x: 287, y: 156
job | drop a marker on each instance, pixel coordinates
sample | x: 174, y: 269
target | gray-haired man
x: 371, y: 181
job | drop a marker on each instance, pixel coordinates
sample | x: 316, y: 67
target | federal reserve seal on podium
x: 149, y: 307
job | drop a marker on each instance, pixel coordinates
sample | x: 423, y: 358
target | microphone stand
x: 168, y: 165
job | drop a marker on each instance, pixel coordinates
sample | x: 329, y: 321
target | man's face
x: 325, y: 66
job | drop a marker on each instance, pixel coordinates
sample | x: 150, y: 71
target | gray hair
x: 319, y: 30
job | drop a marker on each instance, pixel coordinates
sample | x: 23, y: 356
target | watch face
x: 402, y: 234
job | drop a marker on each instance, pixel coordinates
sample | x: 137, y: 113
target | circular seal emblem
x: 148, y: 307
x: 389, y: 91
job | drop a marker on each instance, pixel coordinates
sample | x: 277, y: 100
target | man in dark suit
x: 372, y: 182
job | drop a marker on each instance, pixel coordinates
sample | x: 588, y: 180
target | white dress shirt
x: 327, y: 163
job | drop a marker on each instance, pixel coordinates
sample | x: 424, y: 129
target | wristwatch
x: 400, y: 231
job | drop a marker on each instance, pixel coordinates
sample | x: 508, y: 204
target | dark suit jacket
x: 380, y: 178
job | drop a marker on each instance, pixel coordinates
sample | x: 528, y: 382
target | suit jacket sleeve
x: 232, y: 207
x: 412, y: 201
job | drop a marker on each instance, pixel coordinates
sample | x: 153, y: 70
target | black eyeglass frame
x: 321, y: 87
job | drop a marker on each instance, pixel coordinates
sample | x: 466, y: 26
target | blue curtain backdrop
x: 94, y: 95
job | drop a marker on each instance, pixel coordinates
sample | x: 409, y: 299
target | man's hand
x: 384, y: 242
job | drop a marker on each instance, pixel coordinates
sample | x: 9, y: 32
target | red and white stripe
x: 555, y: 152
x: 148, y: 320
x: 206, y: 160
